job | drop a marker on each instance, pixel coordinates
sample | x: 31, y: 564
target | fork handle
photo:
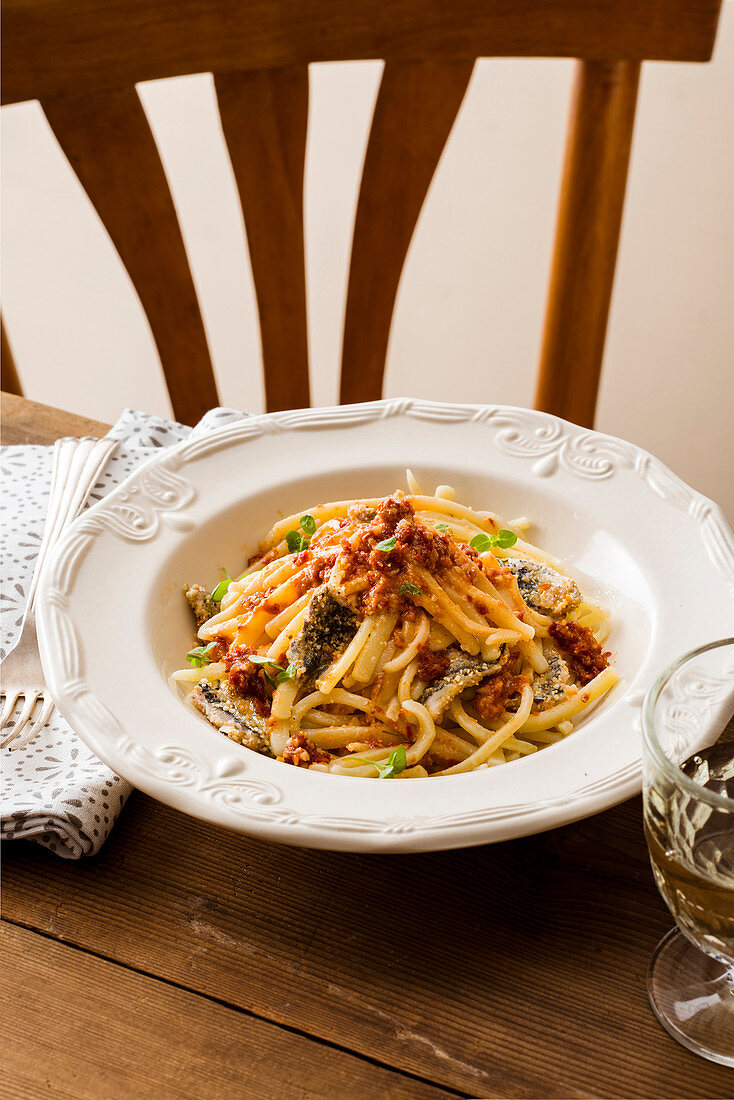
x: 77, y: 465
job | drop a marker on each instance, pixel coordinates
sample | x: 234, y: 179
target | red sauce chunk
x: 244, y: 677
x: 432, y: 665
x: 380, y: 596
x: 585, y: 657
x: 385, y: 570
x: 495, y: 692
x: 301, y: 752
x: 391, y: 511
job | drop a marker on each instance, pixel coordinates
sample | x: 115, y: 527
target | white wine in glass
x: 688, y: 768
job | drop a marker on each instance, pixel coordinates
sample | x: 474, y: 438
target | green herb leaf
x: 386, y: 545
x: 199, y: 656
x: 308, y: 523
x: 284, y: 674
x: 256, y: 659
x: 296, y: 542
x: 267, y: 664
x: 505, y: 539
x: 482, y: 543
x: 443, y: 528
x: 289, y: 673
x: 396, y: 762
x: 224, y: 584
x: 409, y: 589
x: 222, y: 587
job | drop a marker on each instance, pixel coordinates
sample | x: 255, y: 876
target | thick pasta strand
x: 235, y: 596
x: 385, y: 689
x: 340, y: 697
x: 249, y: 631
x: 449, y: 745
x: 450, y: 610
x: 339, y: 737
x: 471, y: 725
x: 411, y: 601
x: 278, y: 622
x: 426, y: 730
x: 193, y: 675
x: 406, y: 681
x: 419, y: 639
x: 366, y: 663
x: 283, y: 697
x: 498, y: 739
x: 341, y: 666
x: 289, y: 631
x: 582, y: 700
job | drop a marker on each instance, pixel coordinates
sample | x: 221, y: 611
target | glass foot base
x: 692, y: 996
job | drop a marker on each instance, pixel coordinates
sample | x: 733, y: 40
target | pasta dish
x: 398, y: 637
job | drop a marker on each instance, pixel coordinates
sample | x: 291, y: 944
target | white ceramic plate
x: 113, y: 623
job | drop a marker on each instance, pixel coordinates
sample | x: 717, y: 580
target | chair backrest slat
x: 9, y: 380
x: 108, y: 142
x: 82, y: 58
x: 414, y: 114
x: 264, y: 119
x: 95, y: 44
x: 587, y: 235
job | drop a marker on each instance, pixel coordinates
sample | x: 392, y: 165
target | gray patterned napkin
x: 55, y: 791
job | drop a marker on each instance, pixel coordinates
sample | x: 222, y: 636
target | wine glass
x: 688, y: 795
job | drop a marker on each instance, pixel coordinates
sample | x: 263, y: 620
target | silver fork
x: 77, y: 466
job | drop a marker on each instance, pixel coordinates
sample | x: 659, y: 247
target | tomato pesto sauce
x: 396, y: 637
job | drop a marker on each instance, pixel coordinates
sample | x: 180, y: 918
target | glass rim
x: 650, y: 736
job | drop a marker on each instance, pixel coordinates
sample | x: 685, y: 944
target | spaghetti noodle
x: 405, y: 636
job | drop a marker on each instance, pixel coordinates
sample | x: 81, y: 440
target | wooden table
x: 188, y: 961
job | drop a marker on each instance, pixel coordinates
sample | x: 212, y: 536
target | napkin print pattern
x: 55, y: 791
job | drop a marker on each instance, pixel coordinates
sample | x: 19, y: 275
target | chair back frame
x: 83, y: 58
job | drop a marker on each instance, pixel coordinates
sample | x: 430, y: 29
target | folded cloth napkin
x: 55, y: 791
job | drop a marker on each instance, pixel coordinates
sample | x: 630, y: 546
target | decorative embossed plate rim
x: 147, y: 737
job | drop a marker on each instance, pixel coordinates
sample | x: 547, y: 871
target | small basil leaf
x: 289, y: 673
x: 409, y: 589
x: 199, y: 656
x: 308, y: 523
x: 387, y: 545
x: 293, y: 541
x: 256, y: 659
x: 443, y: 528
x: 481, y: 543
x: 396, y: 762
x: 504, y: 539
x: 222, y: 587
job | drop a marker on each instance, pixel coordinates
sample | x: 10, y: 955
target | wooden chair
x: 82, y: 59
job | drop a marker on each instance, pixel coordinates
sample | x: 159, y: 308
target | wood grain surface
x: 414, y: 113
x: 264, y: 119
x: 585, y: 254
x: 509, y: 970
x: 109, y: 144
x: 91, y: 44
x: 93, y: 1030
x: 513, y: 970
x: 25, y: 421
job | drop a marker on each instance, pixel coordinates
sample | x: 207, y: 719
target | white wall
x: 471, y: 300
